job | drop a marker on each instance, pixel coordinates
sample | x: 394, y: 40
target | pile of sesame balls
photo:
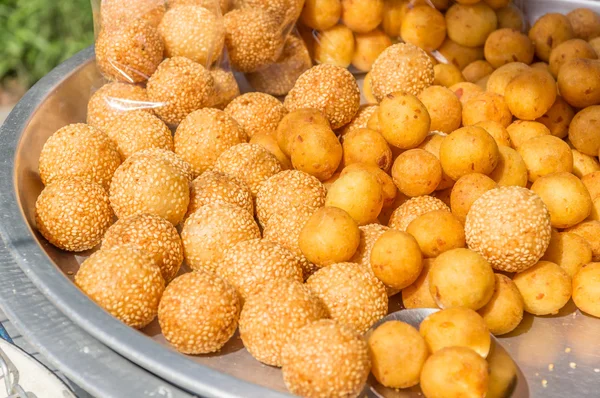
x: 294, y: 221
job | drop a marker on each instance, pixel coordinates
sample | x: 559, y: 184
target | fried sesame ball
x: 412, y: 209
x: 199, y: 313
x: 152, y: 234
x: 250, y: 163
x: 521, y: 131
x: 592, y: 183
x: 417, y: 172
x: 418, y: 294
x: 353, y: 295
x: 501, y: 77
x: 368, y: 46
x: 211, y: 230
x: 130, y: 54
x: 114, y: 14
x: 504, y: 312
x: 477, y: 70
x: 468, y: 150
x: 447, y: 75
x: 204, y: 135
x: 456, y: 327
x: 444, y: 108
x: 257, y: 112
x: 328, y: 88
x: 286, y: 12
x: 226, y: 87
x: 137, y: 130
x: 326, y: 359
x: 149, y: 183
x: 398, y: 353
x: 279, y: 77
x: 455, y: 372
x: 566, y: 197
x: 586, y: 284
x: 271, y: 317
x: 253, y: 37
x: 193, y: 32
x: 213, y: 187
x: 569, y: 251
x: 465, y: 91
x: 486, y: 106
x: 466, y: 191
x: 181, y: 165
x: 124, y: 281
x: 548, y: 32
x: 362, y: 15
x: 545, y: 288
x: 546, y: 155
x: 510, y: 227
x: 250, y: 264
x: 284, y: 227
x: 584, y: 164
x: 401, y: 67
x: 79, y: 150
x: 286, y: 190
x: 558, y: 118
x: 181, y: 86
x: 112, y: 99
x: 209, y: 4
x: 335, y: 46
x: 73, y: 214
x: 590, y: 231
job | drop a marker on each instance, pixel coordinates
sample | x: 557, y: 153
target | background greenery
x: 36, y: 35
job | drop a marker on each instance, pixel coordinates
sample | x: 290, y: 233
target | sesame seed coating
x: 204, y: 135
x: 286, y: 190
x: 209, y: 4
x: 226, y: 87
x: 251, y: 163
x: 184, y: 167
x: 130, y: 54
x: 147, y: 183
x: 213, y: 187
x: 250, y: 264
x: 279, y: 77
x: 114, y: 14
x: 124, y: 281
x: 79, y: 150
x: 152, y: 234
x: 138, y: 130
x: 414, y: 208
x: 270, y: 318
x: 353, y: 295
x: 193, y: 32
x: 368, y: 236
x: 325, y: 359
x: 510, y: 227
x: 257, y: 112
x: 181, y: 86
x: 284, y: 227
x: 328, y: 88
x: 112, y: 99
x: 73, y: 214
x: 211, y: 230
x: 284, y: 11
x: 402, y: 67
x: 199, y: 313
x: 253, y: 37
x: 360, y: 120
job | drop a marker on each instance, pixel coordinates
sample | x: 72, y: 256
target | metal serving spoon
x: 506, y: 379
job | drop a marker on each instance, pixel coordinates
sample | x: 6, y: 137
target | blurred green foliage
x: 37, y: 35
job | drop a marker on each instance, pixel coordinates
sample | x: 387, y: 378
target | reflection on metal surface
x: 505, y: 380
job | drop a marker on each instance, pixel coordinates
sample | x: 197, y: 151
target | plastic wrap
x: 164, y: 57
x: 353, y: 33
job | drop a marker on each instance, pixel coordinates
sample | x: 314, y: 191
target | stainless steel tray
x: 558, y: 355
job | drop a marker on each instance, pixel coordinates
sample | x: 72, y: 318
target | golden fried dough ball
x: 362, y: 15
x: 368, y: 46
x: 585, y: 23
x: 511, y: 168
x: 501, y: 77
x: 470, y: 25
x: 396, y: 259
x: 359, y: 193
x: 424, y: 26
x: 504, y: 312
x: 579, y: 82
x: 506, y: 45
x: 585, y: 289
x: 558, y: 118
x: 531, y: 94
x: 477, y: 70
x: 404, y: 120
x: 466, y: 191
x: 548, y: 32
x: 459, y: 55
x: 417, y: 172
x: 570, y: 251
x: 545, y: 288
x: 568, y: 50
x: 444, y: 108
x: 486, y: 106
x: 334, y: 46
x: 583, y: 131
x: 546, y: 155
x: 468, y: 150
x: 447, y: 75
x: 521, y: 131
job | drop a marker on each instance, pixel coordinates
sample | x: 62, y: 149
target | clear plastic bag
x: 353, y: 33
x: 163, y: 57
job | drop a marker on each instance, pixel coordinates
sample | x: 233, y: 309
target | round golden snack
x: 531, y: 94
x: 545, y: 288
x: 359, y: 193
x: 321, y: 14
x: 546, y: 155
x: 368, y: 147
x: 466, y: 191
x: 444, y: 108
x: 579, y: 82
x: 511, y: 168
x: 396, y: 259
x: 459, y: 55
x: 570, y: 251
x: 477, y: 70
x: 521, y: 131
x: 486, y: 106
x: 316, y: 151
x: 507, y: 45
x: 404, y: 120
x: 590, y: 231
x: 468, y: 150
x: 585, y: 23
x: 447, y: 75
x: 558, y: 118
x: 367, y: 47
x: 362, y: 15
x: 334, y: 46
x: 585, y: 289
x: 470, y: 25
x: 501, y: 77
x: 424, y: 26
x: 548, y: 32
x: 416, y: 172
x: 418, y: 295
x: 570, y: 49
x: 504, y: 312
x: 448, y: 233
x: 583, y: 131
